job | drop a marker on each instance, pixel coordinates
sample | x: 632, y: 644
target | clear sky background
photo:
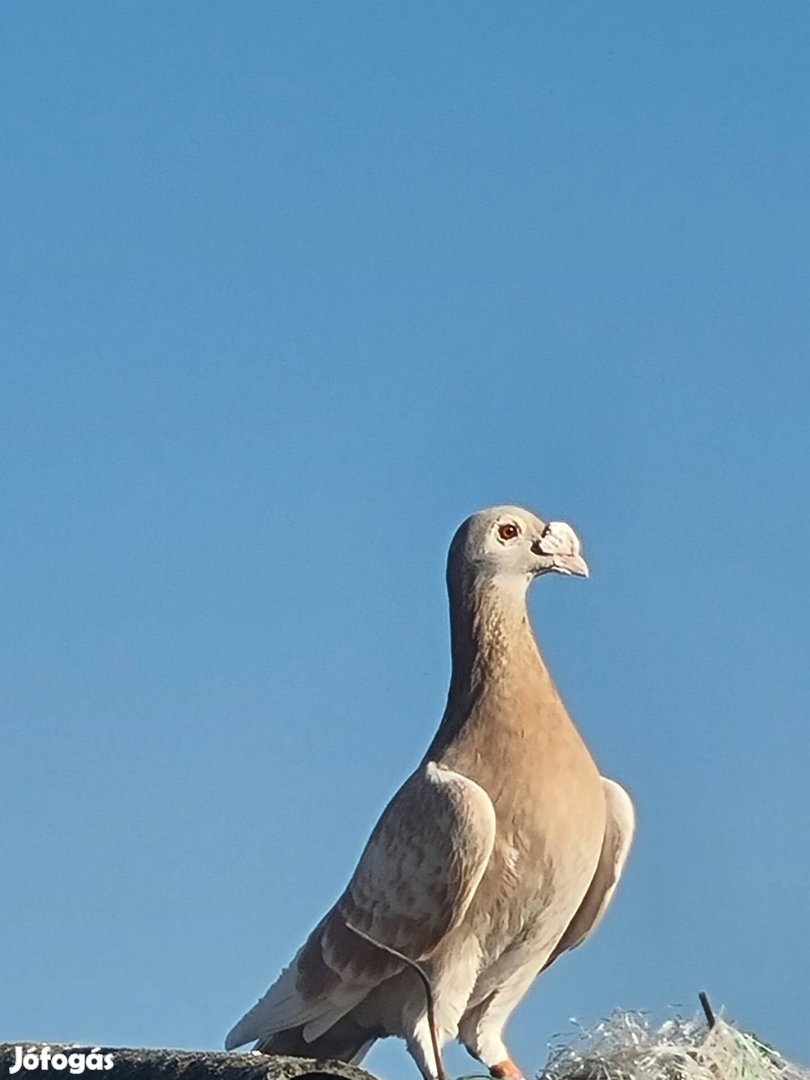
x: 289, y: 290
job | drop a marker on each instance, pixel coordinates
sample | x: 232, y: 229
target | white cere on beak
x: 561, y: 543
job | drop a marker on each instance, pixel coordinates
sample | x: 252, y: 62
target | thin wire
x: 431, y: 1004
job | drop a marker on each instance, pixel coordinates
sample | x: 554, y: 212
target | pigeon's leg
x: 488, y: 1046
x: 506, y: 1070
x: 481, y: 1027
x: 452, y: 980
x: 420, y: 1047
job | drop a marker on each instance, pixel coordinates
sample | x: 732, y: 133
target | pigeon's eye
x: 508, y: 531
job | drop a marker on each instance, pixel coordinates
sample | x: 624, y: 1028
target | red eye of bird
x: 507, y: 531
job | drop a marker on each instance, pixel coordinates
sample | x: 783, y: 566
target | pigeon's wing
x: 619, y: 829
x: 412, y: 886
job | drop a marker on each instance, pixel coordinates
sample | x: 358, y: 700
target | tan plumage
x: 500, y: 852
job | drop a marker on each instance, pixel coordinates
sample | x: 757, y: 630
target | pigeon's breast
x: 550, y: 824
x: 544, y: 860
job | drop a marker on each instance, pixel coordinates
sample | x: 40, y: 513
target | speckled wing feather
x: 412, y: 886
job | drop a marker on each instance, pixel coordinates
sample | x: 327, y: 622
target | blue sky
x: 291, y: 289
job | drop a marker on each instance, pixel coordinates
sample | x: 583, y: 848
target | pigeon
x: 500, y: 852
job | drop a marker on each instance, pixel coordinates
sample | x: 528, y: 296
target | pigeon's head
x: 509, y: 542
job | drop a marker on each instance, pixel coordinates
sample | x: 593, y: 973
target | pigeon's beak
x: 559, y: 543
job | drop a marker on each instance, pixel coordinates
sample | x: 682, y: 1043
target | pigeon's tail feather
x: 345, y: 1041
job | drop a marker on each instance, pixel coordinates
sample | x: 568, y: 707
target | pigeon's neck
x: 491, y: 636
x: 498, y: 671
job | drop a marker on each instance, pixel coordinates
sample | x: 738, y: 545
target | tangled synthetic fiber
x: 625, y: 1047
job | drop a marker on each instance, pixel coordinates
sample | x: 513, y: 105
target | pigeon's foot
x: 506, y: 1070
